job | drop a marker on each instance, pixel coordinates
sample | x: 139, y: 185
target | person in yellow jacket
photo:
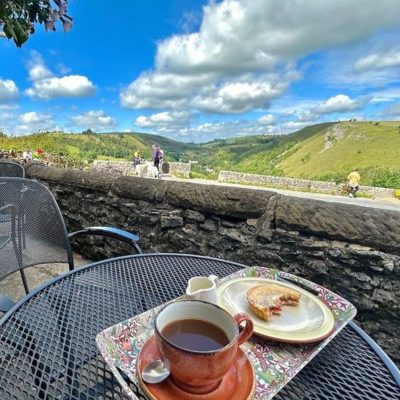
x: 136, y: 160
x: 352, y: 183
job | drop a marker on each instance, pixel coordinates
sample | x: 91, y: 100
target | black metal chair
x: 11, y: 169
x: 29, y: 206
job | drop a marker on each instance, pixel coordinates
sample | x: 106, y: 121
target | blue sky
x: 197, y: 70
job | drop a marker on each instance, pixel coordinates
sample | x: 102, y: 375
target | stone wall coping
x: 366, y: 226
x: 296, y: 183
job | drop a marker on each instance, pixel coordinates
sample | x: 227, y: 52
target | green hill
x: 96, y: 146
x: 325, y: 151
x: 372, y: 147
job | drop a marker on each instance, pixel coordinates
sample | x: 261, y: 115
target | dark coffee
x: 195, y: 334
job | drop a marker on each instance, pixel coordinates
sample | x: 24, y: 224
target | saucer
x: 238, y: 383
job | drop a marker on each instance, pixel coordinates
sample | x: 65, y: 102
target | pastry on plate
x: 266, y: 300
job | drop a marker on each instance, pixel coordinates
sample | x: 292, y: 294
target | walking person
x: 157, y: 157
x: 136, y: 160
x: 352, y: 183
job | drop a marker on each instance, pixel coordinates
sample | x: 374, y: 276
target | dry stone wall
x: 350, y: 249
x: 179, y: 169
x: 300, y: 184
x: 113, y: 168
x: 118, y: 168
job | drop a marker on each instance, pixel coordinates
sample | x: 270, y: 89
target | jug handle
x: 214, y: 278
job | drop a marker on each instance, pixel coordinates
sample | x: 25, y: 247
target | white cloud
x: 386, y: 95
x: 67, y: 86
x: 383, y: 60
x: 307, y: 112
x: 266, y: 119
x: 339, y: 103
x: 33, y: 122
x: 392, y: 112
x: 63, y: 69
x: 163, y: 90
x: 47, y: 86
x: 9, y: 107
x: 252, y: 35
x: 8, y: 90
x: 291, y: 126
x: 6, y: 116
x: 32, y: 117
x: 241, y: 57
x: 189, y: 21
x: 37, y: 69
x: 306, y: 116
x: 241, y: 96
x: 221, y: 130
x: 95, y: 120
x: 166, y: 119
x: 364, y: 65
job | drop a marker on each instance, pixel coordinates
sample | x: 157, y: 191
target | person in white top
x: 27, y: 155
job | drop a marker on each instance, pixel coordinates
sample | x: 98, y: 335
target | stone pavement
x: 12, y: 285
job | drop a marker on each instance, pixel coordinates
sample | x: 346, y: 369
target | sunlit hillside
x: 95, y: 146
x: 372, y: 147
x: 326, y: 151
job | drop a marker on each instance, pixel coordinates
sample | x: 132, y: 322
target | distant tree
x: 88, y: 132
x: 18, y: 17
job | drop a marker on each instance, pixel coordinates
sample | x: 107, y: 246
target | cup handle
x: 248, y: 328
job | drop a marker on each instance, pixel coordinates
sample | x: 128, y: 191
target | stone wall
x: 118, y: 168
x: 113, y: 168
x: 350, y: 249
x: 301, y: 184
x: 179, y: 169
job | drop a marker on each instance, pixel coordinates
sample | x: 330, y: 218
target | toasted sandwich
x: 267, y: 300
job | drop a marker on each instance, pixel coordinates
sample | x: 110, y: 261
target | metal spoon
x: 156, y: 371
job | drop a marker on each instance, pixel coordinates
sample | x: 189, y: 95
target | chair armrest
x: 5, y: 303
x: 6, y: 212
x: 115, y: 233
x: 6, y: 207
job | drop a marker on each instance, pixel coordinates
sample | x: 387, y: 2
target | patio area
x: 236, y: 233
x: 13, y: 287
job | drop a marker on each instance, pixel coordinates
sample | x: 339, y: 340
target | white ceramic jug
x: 203, y: 288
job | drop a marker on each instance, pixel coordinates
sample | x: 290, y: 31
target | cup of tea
x: 200, y: 340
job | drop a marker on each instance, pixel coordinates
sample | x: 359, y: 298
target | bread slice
x: 266, y: 300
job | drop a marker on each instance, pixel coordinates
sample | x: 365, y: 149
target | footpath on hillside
x: 386, y: 204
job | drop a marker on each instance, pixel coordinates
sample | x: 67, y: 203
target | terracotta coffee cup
x: 193, y: 370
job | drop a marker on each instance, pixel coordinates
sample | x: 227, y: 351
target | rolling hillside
x: 325, y: 151
x: 96, y: 146
x: 373, y: 148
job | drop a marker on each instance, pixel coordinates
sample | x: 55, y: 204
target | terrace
x: 308, y: 238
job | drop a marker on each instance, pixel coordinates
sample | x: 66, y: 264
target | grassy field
x: 372, y: 147
x: 327, y: 151
x: 95, y: 146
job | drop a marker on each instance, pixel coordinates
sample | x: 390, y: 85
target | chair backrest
x: 32, y: 229
x: 11, y: 169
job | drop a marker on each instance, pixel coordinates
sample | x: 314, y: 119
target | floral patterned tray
x: 275, y: 364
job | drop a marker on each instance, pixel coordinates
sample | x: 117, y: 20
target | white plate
x: 308, y: 322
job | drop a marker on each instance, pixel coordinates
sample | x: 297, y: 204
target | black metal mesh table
x: 48, y: 350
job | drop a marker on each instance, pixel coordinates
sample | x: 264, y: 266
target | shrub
x: 388, y: 179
